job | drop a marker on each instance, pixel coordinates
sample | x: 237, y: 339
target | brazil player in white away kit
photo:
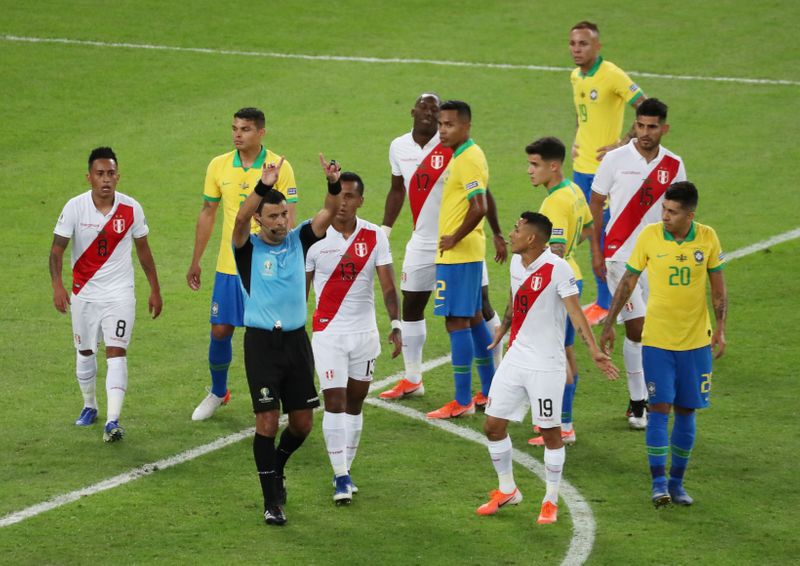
x: 633, y: 178
x: 345, y: 342
x: 419, y: 160
x: 102, y: 225
x: 533, y: 371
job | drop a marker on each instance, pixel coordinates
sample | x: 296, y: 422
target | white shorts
x: 637, y: 304
x: 341, y: 356
x: 514, y: 389
x: 115, y: 320
x: 422, y: 277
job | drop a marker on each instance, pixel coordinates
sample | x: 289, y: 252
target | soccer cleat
x: 113, y: 432
x: 404, y: 388
x: 548, y: 514
x: 638, y: 423
x: 87, y: 417
x: 629, y: 410
x: 595, y: 314
x: 274, y: 515
x: 210, y: 404
x: 659, y: 496
x: 353, y: 486
x: 497, y: 499
x: 679, y: 496
x: 342, y: 490
x: 566, y: 438
x: 480, y: 401
x: 452, y: 410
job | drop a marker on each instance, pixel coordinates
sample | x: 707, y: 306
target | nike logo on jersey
x: 661, y: 255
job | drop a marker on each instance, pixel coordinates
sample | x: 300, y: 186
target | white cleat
x: 638, y: 423
x: 210, y: 404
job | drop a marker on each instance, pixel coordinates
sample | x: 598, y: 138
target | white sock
x: 553, y: 466
x: 500, y: 453
x: 352, y: 426
x: 632, y: 356
x: 116, y: 386
x: 333, y: 429
x: 497, y: 353
x: 566, y: 427
x: 86, y: 372
x: 414, y: 334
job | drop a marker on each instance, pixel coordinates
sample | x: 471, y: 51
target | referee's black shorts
x: 280, y: 369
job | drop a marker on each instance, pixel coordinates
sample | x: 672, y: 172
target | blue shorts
x: 681, y: 378
x: 227, y: 303
x: 569, y: 335
x: 458, y: 289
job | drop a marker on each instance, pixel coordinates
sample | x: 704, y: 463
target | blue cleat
x: 660, y: 496
x: 679, y: 495
x: 113, y: 432
x: 343, y: 490
x: 353, y: 486
x: 87, y: 417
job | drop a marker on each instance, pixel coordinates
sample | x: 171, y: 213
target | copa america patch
x: 558, y: 232
x: 634, y: 87
x: 472, y: 185
x: 292, y: 191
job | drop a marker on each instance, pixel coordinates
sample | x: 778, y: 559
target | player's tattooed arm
x: 719, y: 299
x: 624, y: 290
x: 60, y: 295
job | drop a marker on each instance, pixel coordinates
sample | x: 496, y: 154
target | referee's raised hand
x: 270, y: 172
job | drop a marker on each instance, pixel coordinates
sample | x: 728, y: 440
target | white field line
x: 764, y: 244
x: 379, y: 60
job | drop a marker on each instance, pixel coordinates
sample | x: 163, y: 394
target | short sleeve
x: 638, y: 260
x: 211, y: 190
x: 65, y: 226
x: 383, y: 252
x: 681, y: 174
x: 716, y: 258
x: 604, y: 177
x: 393, y: 161
x: 587, y: 215
x: 566, y: 285
x: 625, y: 88
x: 140, y: 228
x: 286, y: 183
x: 474, y: 176
x: 311, y: 259
x: 558, y: 218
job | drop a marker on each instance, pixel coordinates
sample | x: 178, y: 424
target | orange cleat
x: 548, y: 514
x: 497, y: 499
x: 452, y: 410
x: 595, y: 314
x: 480, y: 401
x: 404, y: 388
x: 566, y: 438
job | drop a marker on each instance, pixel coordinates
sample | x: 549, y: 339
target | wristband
x: 262, y: 189
x: 397, y: 325
x: 386, y: 230
x: 334, y: 188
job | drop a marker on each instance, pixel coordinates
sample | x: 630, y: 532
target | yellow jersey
x: 677, y: 312
x: 466, y: 176
x: 229, y: 182
x: 600, y: 96
x: 565, y: 206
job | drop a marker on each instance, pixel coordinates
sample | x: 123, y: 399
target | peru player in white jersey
x: 345, y: 341
x: 533, y: 371
x: 102, y: 225
x: 633, y: 178
x: 418, y: 161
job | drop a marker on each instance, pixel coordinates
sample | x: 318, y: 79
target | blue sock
x: 566, y: 403
x: 683, y: 433
x: 603, y: 294
x: 481, y: 338
x: 220, y: 354
x: 462, y: 353
x: 657, y: 446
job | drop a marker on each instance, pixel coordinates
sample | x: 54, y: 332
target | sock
x: 553, y: 467
x: 462, y: 353
x: 264, y: 455
x: 414, y: 334
x: 484, y: 361
x: 333, y: 430
x: 220, y: 354
x: 500, y: 453
x: 657, y: 446
x: 86, y: 372
x: 286, y: 447
x: 116, y: 385
x: 683, y: 433
x: 497, y: 354
x: 632, y: 356
x: 566, y: 404
x: 352, y: 427
x: 603, y: 294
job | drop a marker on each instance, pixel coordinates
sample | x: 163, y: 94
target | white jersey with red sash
x: 102, y: 270
x: 422, y: 169
x: 635, y: 189
x: 539, y: 316
x: 344, y: 274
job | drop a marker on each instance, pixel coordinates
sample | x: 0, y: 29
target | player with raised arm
x: 680, y: 256
x: 345, y: 341
x: 103, y: 225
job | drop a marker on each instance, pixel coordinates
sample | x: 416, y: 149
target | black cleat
x: 275, y: 516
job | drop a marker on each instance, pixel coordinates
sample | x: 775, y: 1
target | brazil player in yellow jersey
x: 459, y: 261
x: 600, y: 91
x: 566, y: 208
x: 680, y: 256
x: 230, y: 178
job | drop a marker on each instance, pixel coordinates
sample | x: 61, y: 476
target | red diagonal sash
x: 101, y: 248
x: 653, y: 188
x: 526, y: 296
x: 425, y: 177
x: 343, y: 276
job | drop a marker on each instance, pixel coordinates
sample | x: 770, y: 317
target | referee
x: 277, y: 354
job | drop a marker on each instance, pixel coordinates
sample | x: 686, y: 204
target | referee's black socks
x: 286, y: 447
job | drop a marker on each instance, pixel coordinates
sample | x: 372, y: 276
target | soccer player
x: 277, y: 354
x: 569, y: 215
x: 230, y: 178
x: 459, y: 262
x: 102, y: 223
x: 345, y: 341
x: 680, y: 256
x: 600, y: 91
x: 634, y: 178
x: 533, y: 371
x: 418, y: 161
